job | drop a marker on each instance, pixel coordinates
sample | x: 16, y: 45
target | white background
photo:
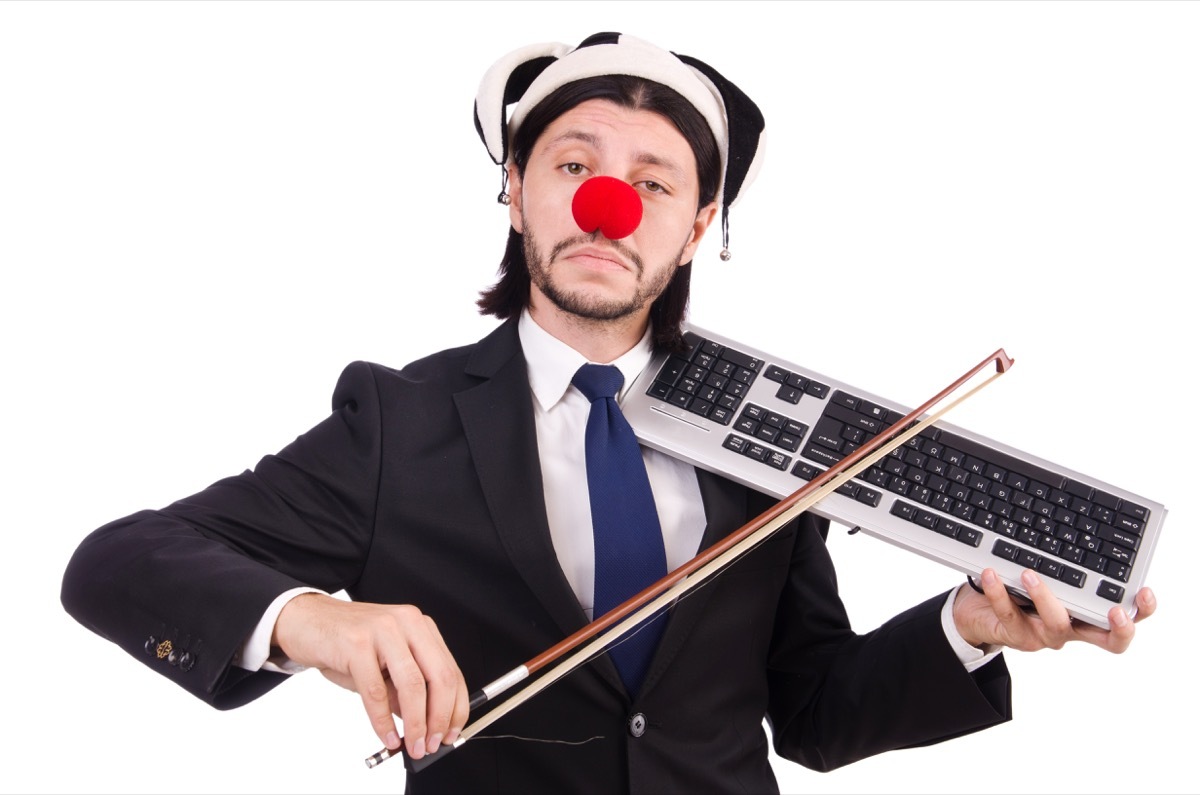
x: 207, y: 209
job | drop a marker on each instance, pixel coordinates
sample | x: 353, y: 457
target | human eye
x: 654, y: 187
x: 574, y: 169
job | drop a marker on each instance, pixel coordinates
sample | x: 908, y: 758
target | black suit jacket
x: 423, y: 487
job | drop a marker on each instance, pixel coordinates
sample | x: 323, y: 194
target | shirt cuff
x: 972, y: 657
x: 255, y: 654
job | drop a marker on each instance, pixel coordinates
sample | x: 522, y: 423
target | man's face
x: 588, y: 275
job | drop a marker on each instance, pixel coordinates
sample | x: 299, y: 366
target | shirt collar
x: 552, y: 363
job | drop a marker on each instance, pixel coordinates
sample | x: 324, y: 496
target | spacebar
x: 821, y: 455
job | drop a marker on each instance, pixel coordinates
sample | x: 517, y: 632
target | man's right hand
x: 391, y: 655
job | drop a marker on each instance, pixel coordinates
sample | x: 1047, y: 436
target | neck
x: 600, y: 341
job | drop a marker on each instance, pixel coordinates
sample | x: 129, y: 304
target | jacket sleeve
x: 181, y: 588
x: 837, y: 696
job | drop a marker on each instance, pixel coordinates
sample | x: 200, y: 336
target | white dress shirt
x: 560, y: 416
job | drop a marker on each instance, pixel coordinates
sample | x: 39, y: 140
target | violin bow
x: 608, y: 629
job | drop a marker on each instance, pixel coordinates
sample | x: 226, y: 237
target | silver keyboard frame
x: 699, y: 441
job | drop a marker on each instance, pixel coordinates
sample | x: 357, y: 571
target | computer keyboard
x: 952, y: 495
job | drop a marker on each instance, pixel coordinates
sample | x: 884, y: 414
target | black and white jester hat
x: 528, y: 75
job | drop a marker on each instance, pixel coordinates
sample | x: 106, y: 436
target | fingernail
x: 452, y: 736
x: 988, y: 577
x: 392, y: 741
x: 417, y: 748
x: 1120, y: 619
x: 435, y: 742
x: 1030, y: 579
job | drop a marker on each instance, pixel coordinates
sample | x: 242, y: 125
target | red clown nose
x: 607, y: 204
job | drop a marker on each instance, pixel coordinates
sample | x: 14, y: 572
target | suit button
x: 150, y: 645
x: 637, y: 725
x: 186, y: 661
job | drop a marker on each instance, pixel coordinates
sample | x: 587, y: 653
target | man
x: 453, y: 500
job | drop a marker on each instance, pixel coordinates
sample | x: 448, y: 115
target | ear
x: 516, y: 198
x: 704, y: 219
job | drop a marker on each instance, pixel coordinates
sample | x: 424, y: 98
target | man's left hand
x: 994, y: 618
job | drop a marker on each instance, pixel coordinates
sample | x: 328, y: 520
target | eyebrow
x: 641, y: 156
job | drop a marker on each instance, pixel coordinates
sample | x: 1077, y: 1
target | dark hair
x: 510, y: 294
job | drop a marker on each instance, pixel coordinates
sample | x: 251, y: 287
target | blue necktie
x: 625, y: 529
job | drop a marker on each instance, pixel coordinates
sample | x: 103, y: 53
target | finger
x: 461, y: 711
x: 445, y: 686
x: 1057, y: 628
x: 373, y: 690
x: 1011, y: 618
x: 409, y: 695
x: 1146, y: 604
x: 1115, y: 639
x: 1121, y: 631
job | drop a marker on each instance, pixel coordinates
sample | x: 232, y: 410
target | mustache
x: 615, y: 245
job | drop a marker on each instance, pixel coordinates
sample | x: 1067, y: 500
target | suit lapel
x: 725, y: 511
x: 497, y: 418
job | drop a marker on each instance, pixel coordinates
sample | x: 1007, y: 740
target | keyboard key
x: 776, y: 373
x: 1095, y: 562
x: 821, y: 455
x: 680, y: 398
x: 1118, y: 536
x: 735, y: 443
x: 1110, y: 591
x: 1027, y: 559
x: 969, y: 535
x: 1050, y: 568
x: 1003, y: 549
x: 797, y: 381
x: 817, y: 389
x: 789, y: 394
x: 1073, y: 577
x: 1114, y: 552
x: 779, y: 460
x: 844, y: 399
x: 805, y: 471
x: 1119, y: 571
x: 742, y: 360
x: 671, y: 370
x: 746, y: 425
x: 756, y: 451
x: 848, y: 489
x: 1129, y: 523
x: 1081, y: 490
x: 767, y: 433
x: 788, y: 442
x: 948, y: 528
x: 868, y: 496
x: 1136, y: 511
x: 754, y: 411
x: 904, y: 510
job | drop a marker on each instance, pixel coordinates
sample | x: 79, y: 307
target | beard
x: 584, y: 303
